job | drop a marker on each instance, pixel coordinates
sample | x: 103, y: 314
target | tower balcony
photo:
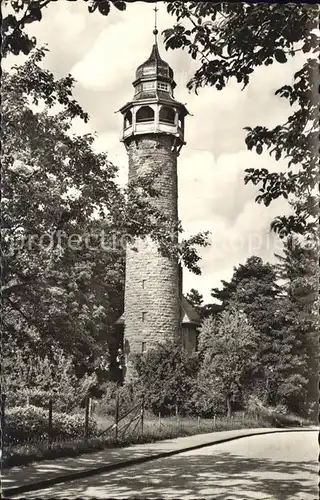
x: 153, y: 118
x: 151, y: 127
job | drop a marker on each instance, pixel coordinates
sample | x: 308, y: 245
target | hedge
x: 30, y: 423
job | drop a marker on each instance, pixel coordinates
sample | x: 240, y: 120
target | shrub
x: 107, y: 402
x: 277, y: 416
x: 206, y: 402
x: 31, y: 423
x: 166, y: 376
x: 28, y: 378
x: 128, y: 398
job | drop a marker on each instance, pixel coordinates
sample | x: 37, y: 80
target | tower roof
x: 189, y: 314
x: 154, y: 66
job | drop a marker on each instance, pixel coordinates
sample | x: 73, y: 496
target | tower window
x: 167, y: 115
x: 163, y: 86
x: 145, y: 114
x: 138, y: 88
x: 143, y: 283
x: 143, y: 317
x: 148, y: 85
x: 143, y: 346
x: 128, y: 119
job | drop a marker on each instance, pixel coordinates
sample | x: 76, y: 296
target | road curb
x: 45, y: 483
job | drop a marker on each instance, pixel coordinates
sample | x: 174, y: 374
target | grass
x: 153, y: 430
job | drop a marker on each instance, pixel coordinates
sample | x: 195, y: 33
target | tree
x: 196, y: 299
x: 54, y: 287
x: 165, y: 376
x: 65, y: 220
x: 230, y: 354
x: 250, y: 280
x: 298, y: 267
x: 280, y: 377
x: 204, y: 310
x: 231, y: 40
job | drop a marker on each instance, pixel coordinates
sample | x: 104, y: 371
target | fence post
x: 214, y: 420
x: 86, y: 419
x: 198, y: 422
x: 159, y: 419
x: 117, y: 417
x: 3, y: 412
x: 177, y: 413
x: 50, y: 424
x: 142, y: 415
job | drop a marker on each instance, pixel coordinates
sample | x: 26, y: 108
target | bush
x: 24, y: 424
x: 128, y: 398
x: 277, y: 416
x: 166, y: 376
x: 29, y: 379
x: 206, y: 403
x: 107, y: 402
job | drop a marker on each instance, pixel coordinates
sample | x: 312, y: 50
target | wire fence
x: 47, y: 427
x: 109, y: 422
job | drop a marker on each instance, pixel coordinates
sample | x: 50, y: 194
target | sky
x: 102, y: 53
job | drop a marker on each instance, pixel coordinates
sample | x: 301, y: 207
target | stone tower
x: 153, y: 134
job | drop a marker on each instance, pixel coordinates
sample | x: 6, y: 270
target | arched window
x: 145, y: 114
x: 128, y: 119
x: 167, y: 115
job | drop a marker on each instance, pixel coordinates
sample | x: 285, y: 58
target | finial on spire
x: 155, y: 31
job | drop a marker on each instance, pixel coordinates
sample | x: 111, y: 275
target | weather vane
x: 155, y: 31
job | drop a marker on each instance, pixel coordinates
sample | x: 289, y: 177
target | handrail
x: 163, y: 120
x: 143, y: 120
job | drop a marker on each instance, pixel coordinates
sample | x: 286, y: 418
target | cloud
x: 114, y: 55
x: 213, y: 197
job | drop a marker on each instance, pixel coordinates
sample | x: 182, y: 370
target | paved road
x: 279, y: 466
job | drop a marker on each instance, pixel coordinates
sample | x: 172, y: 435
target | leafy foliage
x: 298, y: 267
x: 204, y: 310
x: 231, y: 40
x: 29, y: 378
x: 24, y: 12
x: 230, y: 351
x: 277, y: 416
x: 126, y: 396
x: 31, y: 423
x: 166, y: 377
x: 53, y: 184
x: 280, y: 376
x: 195, y: 299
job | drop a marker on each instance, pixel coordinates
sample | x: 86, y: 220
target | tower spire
x: 155, y: 31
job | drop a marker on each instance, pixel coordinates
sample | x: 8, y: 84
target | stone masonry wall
x: 152, y: 310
